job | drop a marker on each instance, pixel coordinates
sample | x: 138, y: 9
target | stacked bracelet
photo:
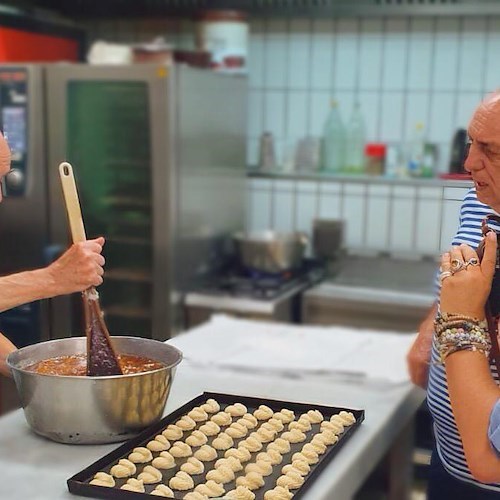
x: 461, y: 333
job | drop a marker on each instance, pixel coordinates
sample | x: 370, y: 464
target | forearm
x: 20, y: 288
x: 6, y: 347
x: 473, y: 394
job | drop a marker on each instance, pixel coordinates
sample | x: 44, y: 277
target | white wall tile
x: 329, y: 205
x: 299, y: 55
x: 370, y: 54
x: 306, y: 212
x: 370, y: 105
x: 255, y: 113
x: 395, y: 54
x: 417, y: 110
x: 298, y: 114
x: 467, y: 102
x: 446, y: 54
x: 472, y: 54
x: 403, y: 220
x: 420, y: 53
x: 345, y: 69
x: 492, y: 75
x: 274, y: 115
x: 449, y: 223
x: 256, y: 54
x: 252, y: 151
x: 319, y: 107
x: 392, y: 117
x: 428, y: 226
x: 377, y: 222
x: 322, y: 54
x: 260, y: 202
x: 275, y: 50
x: 353, y: 209
x: 442, y: 117
x: 284, y: 211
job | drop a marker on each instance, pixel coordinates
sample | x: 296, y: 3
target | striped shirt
x: 448, y: 442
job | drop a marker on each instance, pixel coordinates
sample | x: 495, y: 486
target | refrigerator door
x: 110, y: 123
x: 23, y: 213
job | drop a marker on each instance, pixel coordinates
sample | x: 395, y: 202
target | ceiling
x: 79, y: 9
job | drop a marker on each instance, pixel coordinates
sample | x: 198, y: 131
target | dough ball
x: 210, y: 429
x: 194, y: 495
x: 140, y: 455
x: 193, y: 466
x: 211, y: 406
x: 103, y: 479
x: 286, y: 416
x: 300, y: 466
x: 223, y: 474
x: 172, y: 432
x: 271, y: 455
x: 186, y: 423
x: 316, y: 446
x: 150, y: 475
x: 242, y: 454
x: 181, y: 481
x: 302, y: 424
x: 274, y: 423
x: 278, y: 493
x: 163, y: 491
x: 315, y: 416
x: 335, y: 427
x: 196, y: 439
x: 124, y: 468
x: 134, y: 485
x: 252, y: 480
x: 198, y: 414
x: 327, y: 437
x: 236, y: 430
x: 294, y: 436
x: 347, y: 418
x: 291, y: 480
x: 240, y: 493
x: 164, y: 461
x: 222, y: 418
x: 251, y: 444
x: 236, y: 410
x: 281, y: 445
x: 180, y: 449
x: 263, y: 412
x: 206, y: 453
x: 210, y: 489
x: 263, y: 467
x: 264, y: 435
x: 222, y: 442
x: 249, y: 421
x: 159, y: 443
x: 233, y: 463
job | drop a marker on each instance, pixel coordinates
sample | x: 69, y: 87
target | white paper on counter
x: 297, y: 349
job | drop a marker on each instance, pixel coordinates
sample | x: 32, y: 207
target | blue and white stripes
x: 449, y: 444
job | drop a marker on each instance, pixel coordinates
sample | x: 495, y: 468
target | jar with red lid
x: 375, y: 158
x: 224, y: 33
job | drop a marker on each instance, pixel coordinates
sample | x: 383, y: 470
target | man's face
x: 4, y: 160
x: 483, y: 160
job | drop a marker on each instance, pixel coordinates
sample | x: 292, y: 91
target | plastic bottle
x: 333, y: 151
x: 355, y: 143
x: 416, y: 150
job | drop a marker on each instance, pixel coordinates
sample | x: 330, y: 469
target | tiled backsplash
x: 401, y: 70
x: 399, y: 219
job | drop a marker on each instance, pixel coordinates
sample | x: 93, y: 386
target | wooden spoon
x: 101, y: 356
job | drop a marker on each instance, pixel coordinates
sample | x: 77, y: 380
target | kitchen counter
x: 35, y: 468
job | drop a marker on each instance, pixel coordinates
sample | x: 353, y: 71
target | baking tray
x: 79, y: 483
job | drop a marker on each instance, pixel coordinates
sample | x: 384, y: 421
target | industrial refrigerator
x: 159, y: 157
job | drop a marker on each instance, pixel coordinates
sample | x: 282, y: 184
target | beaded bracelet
x: 456, y: 332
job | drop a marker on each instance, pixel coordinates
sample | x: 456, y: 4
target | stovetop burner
x: 249, y: 283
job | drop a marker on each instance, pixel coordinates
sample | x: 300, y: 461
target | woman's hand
x: 78, y: 268
x: 465, y: 291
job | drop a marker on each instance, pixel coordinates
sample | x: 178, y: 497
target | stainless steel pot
x: 91, y: 410
x: 270, y: 251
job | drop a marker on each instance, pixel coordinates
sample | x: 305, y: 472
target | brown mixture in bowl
x: 76, y: 364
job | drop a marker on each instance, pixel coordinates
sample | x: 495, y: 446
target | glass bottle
x: 355, y: 142
x: 333, y: 154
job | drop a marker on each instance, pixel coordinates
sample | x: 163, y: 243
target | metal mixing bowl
x: 91, y: 410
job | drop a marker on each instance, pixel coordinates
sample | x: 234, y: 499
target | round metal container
x: 269, y: 251
x: 91, y: 410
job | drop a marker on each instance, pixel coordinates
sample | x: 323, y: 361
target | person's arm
x: 418, y: 356
x: 6, y: 347
x: 77, y: 269
x: 471, y: 387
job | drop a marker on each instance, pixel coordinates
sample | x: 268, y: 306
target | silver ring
x: 444, y: 275
x: 457, y: 265
x: 473, y: 261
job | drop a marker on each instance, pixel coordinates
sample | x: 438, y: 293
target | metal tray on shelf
x: 79, y: 483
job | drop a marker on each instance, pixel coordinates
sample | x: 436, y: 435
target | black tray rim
x: 78, y: 485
